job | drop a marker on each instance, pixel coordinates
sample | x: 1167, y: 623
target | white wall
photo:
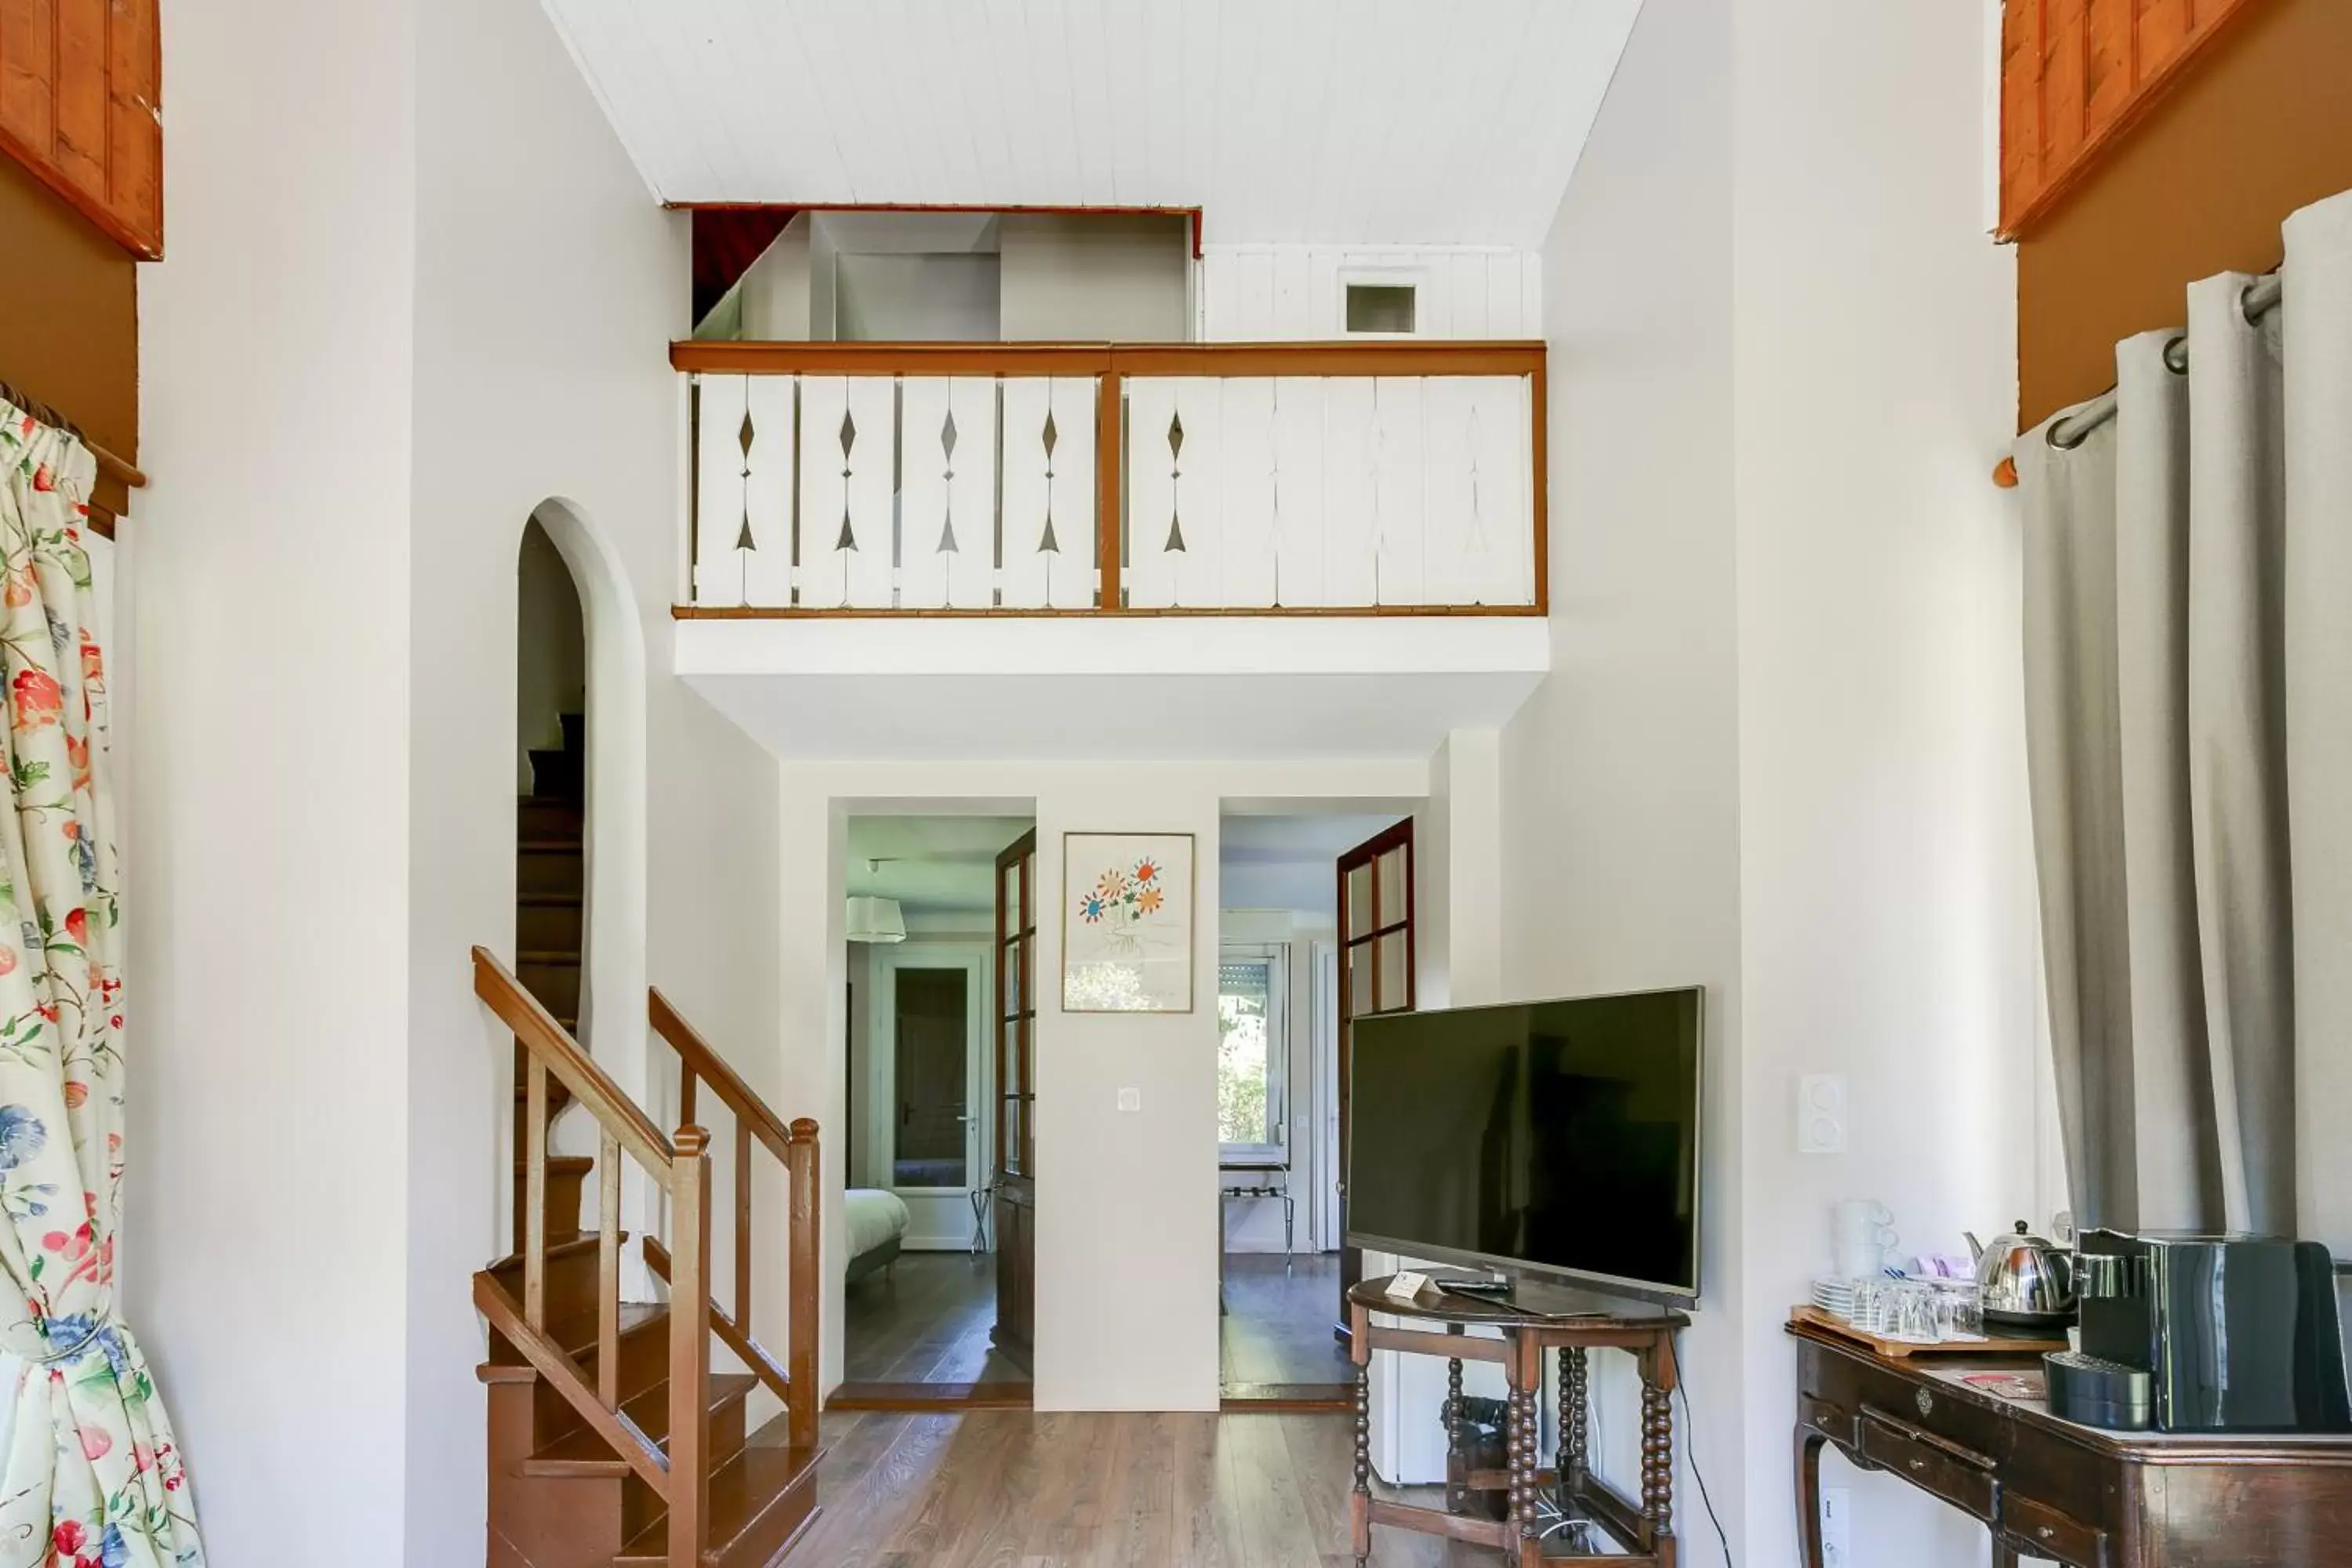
x: 1887, y: 907
x: 1103, y: 277
x: 1778, y: 752
x: 1259, y: 292
x: 268, y: 1148
x: 353, y: 402
x: 1620, y: 776
x: 1127, y: 1250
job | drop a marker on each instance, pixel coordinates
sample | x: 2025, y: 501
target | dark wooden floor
x: 926, y: 1321
x: 1277, y: 1331
x: 1012, y: 1489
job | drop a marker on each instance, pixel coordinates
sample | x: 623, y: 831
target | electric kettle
x: 2023, y: 1281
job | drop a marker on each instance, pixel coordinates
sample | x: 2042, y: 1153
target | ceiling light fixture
x: 876, y: 920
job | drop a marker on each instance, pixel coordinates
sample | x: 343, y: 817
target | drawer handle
x: 2045, y: 1532
x: 1918, y: 1464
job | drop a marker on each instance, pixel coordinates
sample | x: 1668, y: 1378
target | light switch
x: 1820, y: 1114
x: 1130, y: 1100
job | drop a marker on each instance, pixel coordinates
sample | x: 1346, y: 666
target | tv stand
x: 1643, y: 1529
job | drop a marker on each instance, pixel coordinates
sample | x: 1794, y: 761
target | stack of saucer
x: 1834, y: 1296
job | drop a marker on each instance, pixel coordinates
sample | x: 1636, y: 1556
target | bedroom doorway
x: 922, y: 1321
x: 1281, y: 931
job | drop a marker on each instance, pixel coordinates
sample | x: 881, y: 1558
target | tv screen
x: 1554, y: 1138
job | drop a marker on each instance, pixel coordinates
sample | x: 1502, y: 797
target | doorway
x: 1282, y: 930
x: 925, y: 1311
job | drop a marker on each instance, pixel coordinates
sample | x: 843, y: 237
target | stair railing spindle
x: 608, y: 1272
x: 689, y: 1349
x: 534, y: 1212
x: 742, y: 1226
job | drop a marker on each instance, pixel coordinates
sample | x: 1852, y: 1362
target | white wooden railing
x: 945, y: 478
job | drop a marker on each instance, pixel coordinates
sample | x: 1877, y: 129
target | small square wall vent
x: 1379, y: 307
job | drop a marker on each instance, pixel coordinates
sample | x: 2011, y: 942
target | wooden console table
x: 1644, y: 1529
x: 2048, y: 1488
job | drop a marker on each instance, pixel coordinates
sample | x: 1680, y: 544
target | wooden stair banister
x: 794, y: 1145
x: 682, y: 1169
x: 648, y: 1462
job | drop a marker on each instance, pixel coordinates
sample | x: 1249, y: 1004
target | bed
x: 877, y: 1222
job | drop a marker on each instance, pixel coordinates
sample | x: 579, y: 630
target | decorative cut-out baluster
x: 744, y: 544
x: 849, y: 540
x: 947, y: 545
x: 1175, y: 476
x: 1047, y: 544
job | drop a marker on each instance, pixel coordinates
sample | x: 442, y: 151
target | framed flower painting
x: 1126, y: 923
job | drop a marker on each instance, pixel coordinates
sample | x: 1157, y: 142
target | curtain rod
x: 2261, y: 298
x: 109, y: 464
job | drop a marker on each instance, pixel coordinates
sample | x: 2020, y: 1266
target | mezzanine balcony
x: 1350, y: 533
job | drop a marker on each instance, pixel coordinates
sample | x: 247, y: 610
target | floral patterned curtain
x: 90, y: 1474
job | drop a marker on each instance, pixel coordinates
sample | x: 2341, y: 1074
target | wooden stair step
x: 575, y: 1335
x: 761, y: 1501
x: 585, y: 1454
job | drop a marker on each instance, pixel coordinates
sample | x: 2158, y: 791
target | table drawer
x: 1964, y: 1480
x: 2045, y: 1532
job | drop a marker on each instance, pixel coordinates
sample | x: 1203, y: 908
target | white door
x: 928, y: 1087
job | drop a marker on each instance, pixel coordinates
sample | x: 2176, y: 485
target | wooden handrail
x: 538, y: 1032
x: 795, y: 1145
x: 1428, y: 356
x: 712, y: 1069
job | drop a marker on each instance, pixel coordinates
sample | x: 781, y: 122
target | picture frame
x: 1127, y: 914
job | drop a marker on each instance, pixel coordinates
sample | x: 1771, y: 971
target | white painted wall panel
x: 1290, y: 292
x: 947, y: 508
x: 1049, y: 520
x: 1299, y: 481
x: 1400, y: 490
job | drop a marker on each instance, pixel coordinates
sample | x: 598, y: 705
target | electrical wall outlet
x: 1820, y: 1114
x: 1836, y: 1539
x: 1130, y: 1100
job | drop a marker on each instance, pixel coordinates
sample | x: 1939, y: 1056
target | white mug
x: 1856, y: 1214
x: 1860, y: 1260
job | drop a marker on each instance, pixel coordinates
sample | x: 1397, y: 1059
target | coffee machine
x: 2204, y: 1334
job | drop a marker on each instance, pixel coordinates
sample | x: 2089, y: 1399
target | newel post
x: 689, y: 1347
x: 805, y: 1284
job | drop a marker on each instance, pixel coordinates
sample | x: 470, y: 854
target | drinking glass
x: 1916, y: 1311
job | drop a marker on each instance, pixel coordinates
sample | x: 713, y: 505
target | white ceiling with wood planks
x: 1325, y: 122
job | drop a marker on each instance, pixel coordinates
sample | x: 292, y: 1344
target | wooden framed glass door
x: 1376, y: 975
x: 1016, y: 1098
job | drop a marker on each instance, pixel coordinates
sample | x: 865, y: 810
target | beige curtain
x: 92, y: 1477
x: 2189, y: 694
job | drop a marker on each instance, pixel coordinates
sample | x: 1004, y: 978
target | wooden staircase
x: 550, y: 937
x: 613, y: 1443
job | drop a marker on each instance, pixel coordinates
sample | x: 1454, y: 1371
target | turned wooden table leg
x: 1526, y: 1367
x: 1575, y: 1452
x: 1359, y: 1504
x: 1458, y: 1490
x: 1809, y: 1498
x: 1658, y: 1453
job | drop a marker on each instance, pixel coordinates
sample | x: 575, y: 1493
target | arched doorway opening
x: 551, y: 834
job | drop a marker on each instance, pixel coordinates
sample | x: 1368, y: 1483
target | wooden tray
x: 1818, y: 1318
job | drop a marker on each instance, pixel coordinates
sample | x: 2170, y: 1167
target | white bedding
x: 873, y: 1217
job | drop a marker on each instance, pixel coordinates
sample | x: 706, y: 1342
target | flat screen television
x: 1557, y: 1140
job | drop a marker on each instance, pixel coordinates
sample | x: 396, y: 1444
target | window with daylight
x: 1253, y: 1061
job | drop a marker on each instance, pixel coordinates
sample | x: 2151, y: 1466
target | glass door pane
x: 933, y: 1082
